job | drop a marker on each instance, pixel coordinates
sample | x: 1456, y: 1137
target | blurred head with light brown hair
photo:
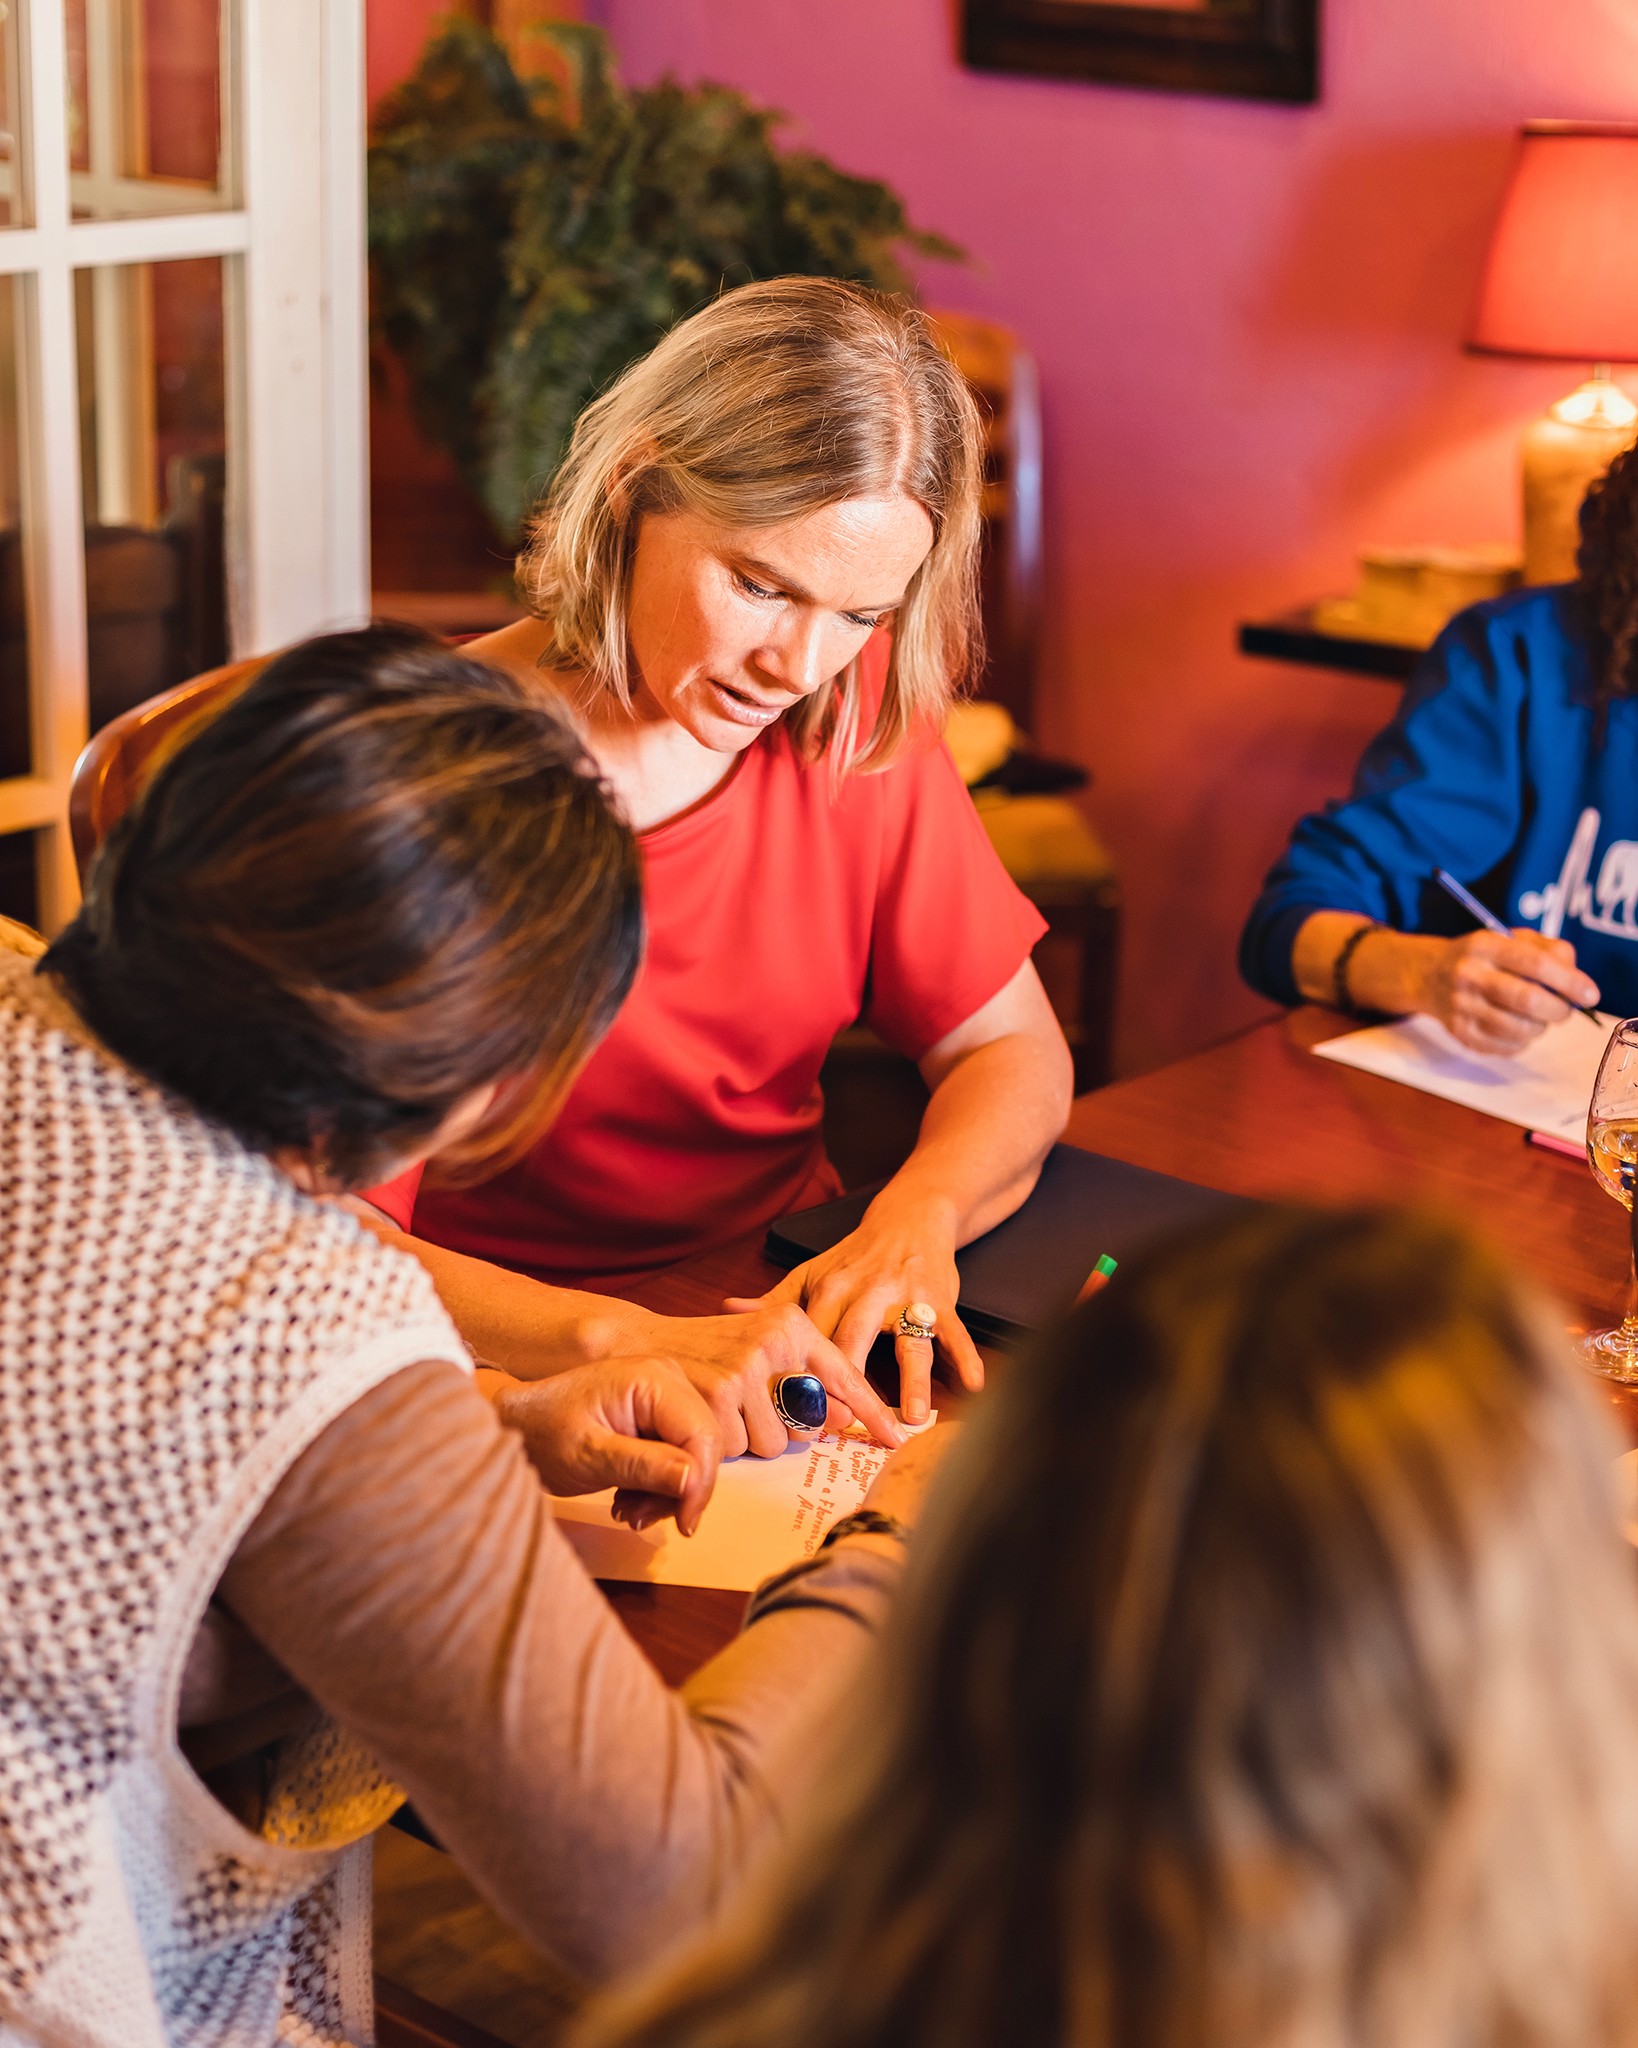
x: 801, y: 443
x: 1268, y: 1674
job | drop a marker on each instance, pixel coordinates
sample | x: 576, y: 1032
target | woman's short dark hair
x: 1267, y: 1672
x: 384, y: 876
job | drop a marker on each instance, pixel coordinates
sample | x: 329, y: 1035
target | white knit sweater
x: 176, y: 1324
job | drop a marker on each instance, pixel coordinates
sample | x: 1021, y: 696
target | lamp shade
x: 1561, y: 278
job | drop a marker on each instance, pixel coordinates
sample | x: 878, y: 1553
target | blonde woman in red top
x: 754, y: 578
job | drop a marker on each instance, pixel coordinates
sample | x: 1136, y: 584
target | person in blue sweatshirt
x: 1513, y: 762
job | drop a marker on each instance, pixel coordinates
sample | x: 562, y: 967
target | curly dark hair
x: 1608, y: 564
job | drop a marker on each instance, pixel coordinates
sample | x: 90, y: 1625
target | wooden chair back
x: 113, y: 767
x: 1001, y: 373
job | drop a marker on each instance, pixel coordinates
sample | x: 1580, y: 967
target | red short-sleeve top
x: 779, y: 910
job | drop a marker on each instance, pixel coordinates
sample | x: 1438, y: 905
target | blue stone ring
x: 799, y: 1401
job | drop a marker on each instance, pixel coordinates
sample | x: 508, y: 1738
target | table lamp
x: 1561, y: 280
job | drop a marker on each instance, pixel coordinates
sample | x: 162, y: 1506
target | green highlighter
x: 1097, y: 1279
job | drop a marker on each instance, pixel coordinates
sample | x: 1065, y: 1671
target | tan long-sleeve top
x: 407, y: 1573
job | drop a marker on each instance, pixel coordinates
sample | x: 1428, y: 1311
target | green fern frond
x: 528, y: 244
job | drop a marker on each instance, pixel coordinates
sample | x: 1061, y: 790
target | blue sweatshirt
x: 1489, y: 770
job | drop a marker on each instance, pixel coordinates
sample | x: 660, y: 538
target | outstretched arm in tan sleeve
x: 409, y: 1574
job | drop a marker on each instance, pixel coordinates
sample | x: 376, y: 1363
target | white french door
x: 182, y: 361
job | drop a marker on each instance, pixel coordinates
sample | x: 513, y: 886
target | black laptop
x: 1019, y: 1276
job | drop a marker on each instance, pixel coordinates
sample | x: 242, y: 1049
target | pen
x: 1097, y: 1280
x: 1492, y: 923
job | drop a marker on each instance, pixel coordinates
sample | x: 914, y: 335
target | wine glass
x: 1612, y: 1153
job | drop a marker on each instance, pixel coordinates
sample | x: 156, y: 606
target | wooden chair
x: 111, y: 770
x: 873, y: 1096
x: 1001, y: 375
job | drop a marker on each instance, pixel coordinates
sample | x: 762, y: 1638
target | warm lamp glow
x: 1597, y: 403
x: 1561, y: 280
x: 1562, y: 274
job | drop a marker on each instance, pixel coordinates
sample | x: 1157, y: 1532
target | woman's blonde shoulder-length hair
x: 776, y: 400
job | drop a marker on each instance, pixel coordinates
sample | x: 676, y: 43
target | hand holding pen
x: 1492, y: 923
x: 1482, y: 973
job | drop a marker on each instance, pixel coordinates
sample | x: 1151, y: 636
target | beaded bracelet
x: 1340, y: 998
x: 864, y: 1522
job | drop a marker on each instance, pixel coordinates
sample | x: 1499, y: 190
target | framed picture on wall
x: 1253, y: 49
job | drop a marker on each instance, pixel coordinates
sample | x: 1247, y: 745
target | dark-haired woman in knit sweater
x: 254, y: 1515
x: 1513, y: 762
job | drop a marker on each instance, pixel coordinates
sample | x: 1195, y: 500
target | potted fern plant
x: 530, y: 238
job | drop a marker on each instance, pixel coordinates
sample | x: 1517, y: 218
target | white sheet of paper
x: 1545, y: 1088
x: 764, y: 1514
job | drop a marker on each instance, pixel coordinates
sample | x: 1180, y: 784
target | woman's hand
x: 1492, y: 992
x: 733, y: 1360
x: 902, y: 1252
x: 998, y: 1093
x: 631, y: 1423
x: 1496, y: 994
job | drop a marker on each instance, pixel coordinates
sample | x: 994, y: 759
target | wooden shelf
x: 1293, y: 636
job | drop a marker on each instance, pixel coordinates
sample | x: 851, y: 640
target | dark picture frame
x: 1250, y: 49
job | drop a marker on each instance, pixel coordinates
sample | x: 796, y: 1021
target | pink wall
x: 394, y: 33
x: 1248, y: 322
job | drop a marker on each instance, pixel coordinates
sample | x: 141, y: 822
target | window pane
x: 145, y: 107
x: 17, y: 892
x: 152, y: 449
x: 16, y: 753
x: 18, y: 897
x: 13, y: 176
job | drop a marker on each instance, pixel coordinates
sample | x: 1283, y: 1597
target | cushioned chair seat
x: 1044, y: 842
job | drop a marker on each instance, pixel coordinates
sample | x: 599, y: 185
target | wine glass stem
x: 1629, y: 1322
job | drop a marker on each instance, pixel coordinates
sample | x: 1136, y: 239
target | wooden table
x: 1256, y: 1115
